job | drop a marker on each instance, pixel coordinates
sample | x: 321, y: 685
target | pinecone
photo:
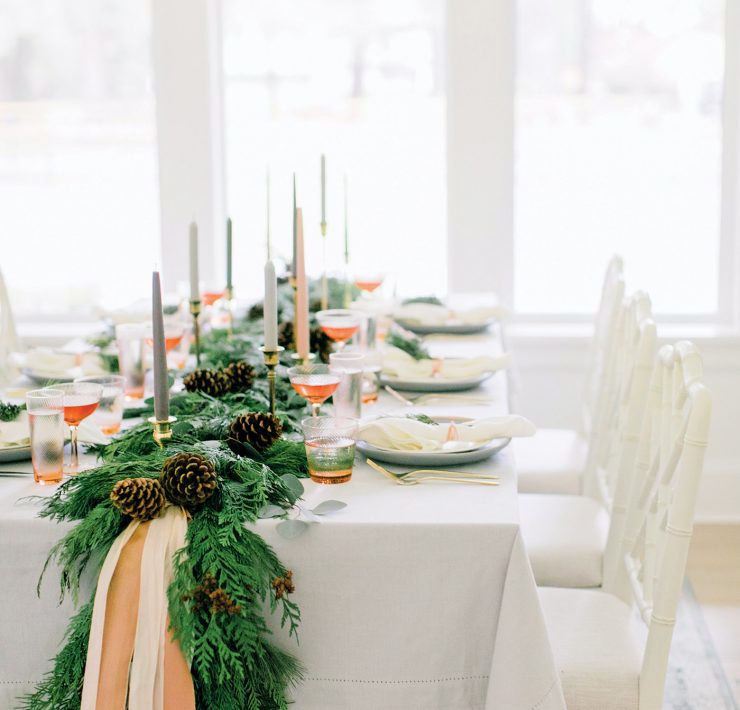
x: 188, y: 480
x: 286, y: 335
x: 259, y: 430
x: 321, y: 344
x: 240, y: 375
x: 256, y: 311
x: 283, y: 585
x: 140, y: 498
x: 212, y: 382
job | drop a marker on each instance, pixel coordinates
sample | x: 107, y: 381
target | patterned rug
x: 696, y: 680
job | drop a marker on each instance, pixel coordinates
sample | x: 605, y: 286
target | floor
x: 714, y: 571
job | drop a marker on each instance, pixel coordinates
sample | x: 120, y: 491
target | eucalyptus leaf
x: 293, y: 483
x: 270, y: 511
x: 290, y: 529
x: 328, y: 506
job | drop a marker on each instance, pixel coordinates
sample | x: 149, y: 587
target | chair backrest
x: 660, y: 513
x: 602, y: 344
x: 9, y: 342
x: 618, y: 448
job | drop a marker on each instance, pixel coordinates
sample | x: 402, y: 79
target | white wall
x: 549, y: 375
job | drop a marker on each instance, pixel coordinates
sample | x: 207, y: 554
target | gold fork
x: 406, y: 480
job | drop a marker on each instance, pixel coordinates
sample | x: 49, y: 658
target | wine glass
x: 368, y: 282
x: 80, y: 401
x: 314, y: 382
x: 339, y: 324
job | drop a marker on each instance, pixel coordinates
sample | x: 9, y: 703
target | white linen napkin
x: 432, y: 314
x: 9, y: 342
x: 58, y: 364
x: 17, y: 433
x: 402, y: 434
x: 399, y: 364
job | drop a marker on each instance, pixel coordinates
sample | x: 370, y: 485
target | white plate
x: 46, y: 377
x: 436, y: 384
x: 434, y: 458
x: 448, y: 328
x: 15, y: 453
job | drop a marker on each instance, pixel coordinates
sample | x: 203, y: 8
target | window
x: 78, y: 181
x: 618, y: 146
x: 363, y: 83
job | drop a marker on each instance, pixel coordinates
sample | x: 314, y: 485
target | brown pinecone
x: 321, y: 344
x: 188, y: 480
x: 240, y: 375
x: 140, y: 498
x: 283, y: 585
x: 286, y: 335
x: 212, y: 382
x: 256, y: 311
x: 259, y: 430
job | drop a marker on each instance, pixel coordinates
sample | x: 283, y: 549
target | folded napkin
x: 58, y: 364
x: 401, y: 434
x: 399, y: 364
x: 431, y: 314
x: 16, y: 433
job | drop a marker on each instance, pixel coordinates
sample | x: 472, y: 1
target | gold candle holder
x: 195, y: 312
x: 324, y: 278
x: 271, y: 359
x: 162, y: 429
x: 229, y: 298
x: 293, y: 281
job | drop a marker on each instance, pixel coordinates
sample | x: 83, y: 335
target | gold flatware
x: 408, y: 480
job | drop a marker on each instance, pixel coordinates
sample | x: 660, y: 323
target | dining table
x: 412, y: 597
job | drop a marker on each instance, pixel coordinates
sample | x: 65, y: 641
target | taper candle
x: 194, y: 287
x: 301, y: 319
x: 323, y: 189
x: 161, y: 386
x: 229, y: 285
x: 267, y: 217
x: 270, y: 308
x: 293, y: 265
x: 346, y: 229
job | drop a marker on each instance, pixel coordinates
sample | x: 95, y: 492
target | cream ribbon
x: 165, y: 536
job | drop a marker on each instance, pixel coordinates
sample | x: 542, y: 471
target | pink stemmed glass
x: 339, y: 324
x: 81, y: 399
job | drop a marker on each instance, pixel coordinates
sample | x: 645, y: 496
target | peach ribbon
x: 131, y: 654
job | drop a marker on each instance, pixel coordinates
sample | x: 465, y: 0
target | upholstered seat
x: 597, y: 646
x: 552, y: 461
x: 565, y: 537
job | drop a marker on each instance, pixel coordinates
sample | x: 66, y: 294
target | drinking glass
x: 46, y: 421
x: 330, y: 448
x: 368, y: 282
x: 80, y: 401
x: 109, y: 414
x: 131, y: 339
x: 314, y: 382
x: 347, y: 398
x: 340, y: 324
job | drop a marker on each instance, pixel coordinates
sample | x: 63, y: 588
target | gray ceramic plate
x: 451, y: 329
x: 432, y: 458
x: 436, y: 384
x: 15, y: 453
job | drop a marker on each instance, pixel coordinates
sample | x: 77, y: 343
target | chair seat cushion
x: 551, y: 461
x: 597, y: 644
x: 565, y: 537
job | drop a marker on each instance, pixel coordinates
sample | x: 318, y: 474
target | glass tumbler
x: 109, y: 414
x: 347, y: 398
x: 330, y: 448
x: 46, y: 421
x: 131, y: 340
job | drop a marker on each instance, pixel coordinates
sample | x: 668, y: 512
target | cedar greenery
x: 8, y: 411
x: 408, y: 342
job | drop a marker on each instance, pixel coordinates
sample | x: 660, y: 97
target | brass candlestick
x: 324, y: 278
x: 293, y: 281
x: 162, y: 429
x: 195, y: 312
x: 271, y: 358
x: 229, y: 297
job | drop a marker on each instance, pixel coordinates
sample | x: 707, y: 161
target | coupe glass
x: 339, y: 324
x: 314, y: 382
x: 81, y: 399
x: 109, y: 414
x: 368, y: 282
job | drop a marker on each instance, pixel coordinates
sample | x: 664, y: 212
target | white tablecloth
x: 412, y: 598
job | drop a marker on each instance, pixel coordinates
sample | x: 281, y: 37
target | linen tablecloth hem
x: 368, y: 681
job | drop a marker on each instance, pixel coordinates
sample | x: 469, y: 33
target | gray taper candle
x: 161, y: 387
x: 229, y: 285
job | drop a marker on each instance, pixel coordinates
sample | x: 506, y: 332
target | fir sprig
x: 8, y: 411
x: 409, y: 343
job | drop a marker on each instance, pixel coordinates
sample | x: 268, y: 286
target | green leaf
x: 270, y: 511
x: 290, y: 529
x: 293, y: 484
x: 328, y: 506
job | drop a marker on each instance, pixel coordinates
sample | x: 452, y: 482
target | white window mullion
x: 186, y: 55
x: 480, y: 145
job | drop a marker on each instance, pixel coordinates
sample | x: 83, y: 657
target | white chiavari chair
x: 612, y: 648
x: 567, y: 536
x: 9, y: 342
x: 555, y: 460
